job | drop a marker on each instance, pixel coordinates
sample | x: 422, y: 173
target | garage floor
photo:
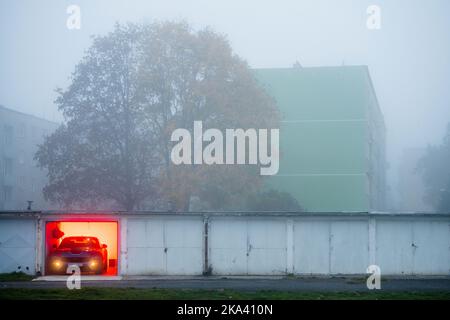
x: 112, y: 271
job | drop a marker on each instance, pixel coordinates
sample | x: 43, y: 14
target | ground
x: 17, y: 287
x: 199, y: 294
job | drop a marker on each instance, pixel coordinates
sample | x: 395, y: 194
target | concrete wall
x: 18, y: 245
x: 330, y: 245
x: 283, y: 244
x: 164, y: 245
x: 252, y: 244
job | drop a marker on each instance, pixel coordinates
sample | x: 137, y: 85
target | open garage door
x: 92, y: 246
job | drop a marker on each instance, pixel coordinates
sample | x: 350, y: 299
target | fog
x: 408, y: 58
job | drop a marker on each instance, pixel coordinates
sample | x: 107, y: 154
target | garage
x: 165, y: 245
x: 130, y: 244
x: 90, y: 245
x: 18, y: 245
x: 256, y: 247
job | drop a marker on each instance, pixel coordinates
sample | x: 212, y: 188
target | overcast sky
x: 408, y: 58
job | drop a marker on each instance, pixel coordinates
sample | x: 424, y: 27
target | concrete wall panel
x: 394, y: 252
x: 18, y: 245
x: 266, y: 246
x: 164, y: 245
x: 311, y: 246
x: 157, y: 244
x: 349, y: 247
x: 431, y: 250
x: 228, y: 245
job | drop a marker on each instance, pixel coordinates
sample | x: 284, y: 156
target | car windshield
x: 79, y: 242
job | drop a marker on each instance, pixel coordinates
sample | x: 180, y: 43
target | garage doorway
x: 91, y: 245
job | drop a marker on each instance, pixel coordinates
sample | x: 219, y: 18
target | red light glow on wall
x: 93, y: 245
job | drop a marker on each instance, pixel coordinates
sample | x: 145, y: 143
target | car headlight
x: 94, y: 262
x: 57, y: 263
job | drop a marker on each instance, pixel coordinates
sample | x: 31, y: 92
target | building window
x: 21, y: 181
x: 7, y: 166
x: 33, y: 185
x: 34, y: 133
x: 7, y: 193
x: 8, y: 135
x: 21, y: 131
x: 21, y: 157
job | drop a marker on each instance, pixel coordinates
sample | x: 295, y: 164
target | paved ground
x: 334, y: 284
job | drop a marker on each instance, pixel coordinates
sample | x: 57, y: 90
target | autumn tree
x: 189, y: 76
x: 103, y: 151
x: 132, y: 89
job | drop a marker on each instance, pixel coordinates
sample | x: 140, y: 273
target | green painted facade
x: 331, y: 137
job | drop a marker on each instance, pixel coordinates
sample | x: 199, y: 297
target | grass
x: 15, y: 276
x: 164, y: 294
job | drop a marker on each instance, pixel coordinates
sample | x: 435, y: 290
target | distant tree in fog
x: 132, y: 89
x: 104, y: 151
x: 435, y: 169
x: 273, y: 200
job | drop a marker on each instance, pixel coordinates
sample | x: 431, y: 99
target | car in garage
x: 84, y: 252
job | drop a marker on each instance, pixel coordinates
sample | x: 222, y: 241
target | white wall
x: 330, y: 246
x: 247, y: 245
x: 420, y: 246
x: 327, y: 245
x: 277, y: 245
x: 18, y: 245
x: 164, y: 245
x: 307, y: 244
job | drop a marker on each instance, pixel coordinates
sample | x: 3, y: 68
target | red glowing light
x: 98, y: 254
